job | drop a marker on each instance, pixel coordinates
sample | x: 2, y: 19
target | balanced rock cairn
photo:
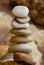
x: 20, y: 30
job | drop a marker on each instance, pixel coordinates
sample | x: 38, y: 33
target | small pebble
x: 20, y: 39
x: 20, y: 11
x: 24, y: 32
x: 23, y: 20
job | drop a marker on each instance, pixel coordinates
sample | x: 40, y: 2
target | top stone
x: 20, y: 11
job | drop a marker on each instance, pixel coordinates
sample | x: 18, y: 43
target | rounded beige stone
x: 23, y: 20
x: 25, y: 32
x: 20, y: 39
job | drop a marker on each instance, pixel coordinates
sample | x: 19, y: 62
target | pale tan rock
x: 25, y: 32
x: 3, y: 50
x: 23, y: 20
x: 20, y: 39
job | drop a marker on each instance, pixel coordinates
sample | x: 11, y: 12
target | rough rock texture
x: 36, y: 8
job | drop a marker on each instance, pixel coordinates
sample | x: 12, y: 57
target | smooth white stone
x: 22, y: 48
x: 23, y: 20
x: 20, y: 11
x: 18, y: 25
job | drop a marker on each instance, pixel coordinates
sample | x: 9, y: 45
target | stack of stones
x: 20, y: 30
